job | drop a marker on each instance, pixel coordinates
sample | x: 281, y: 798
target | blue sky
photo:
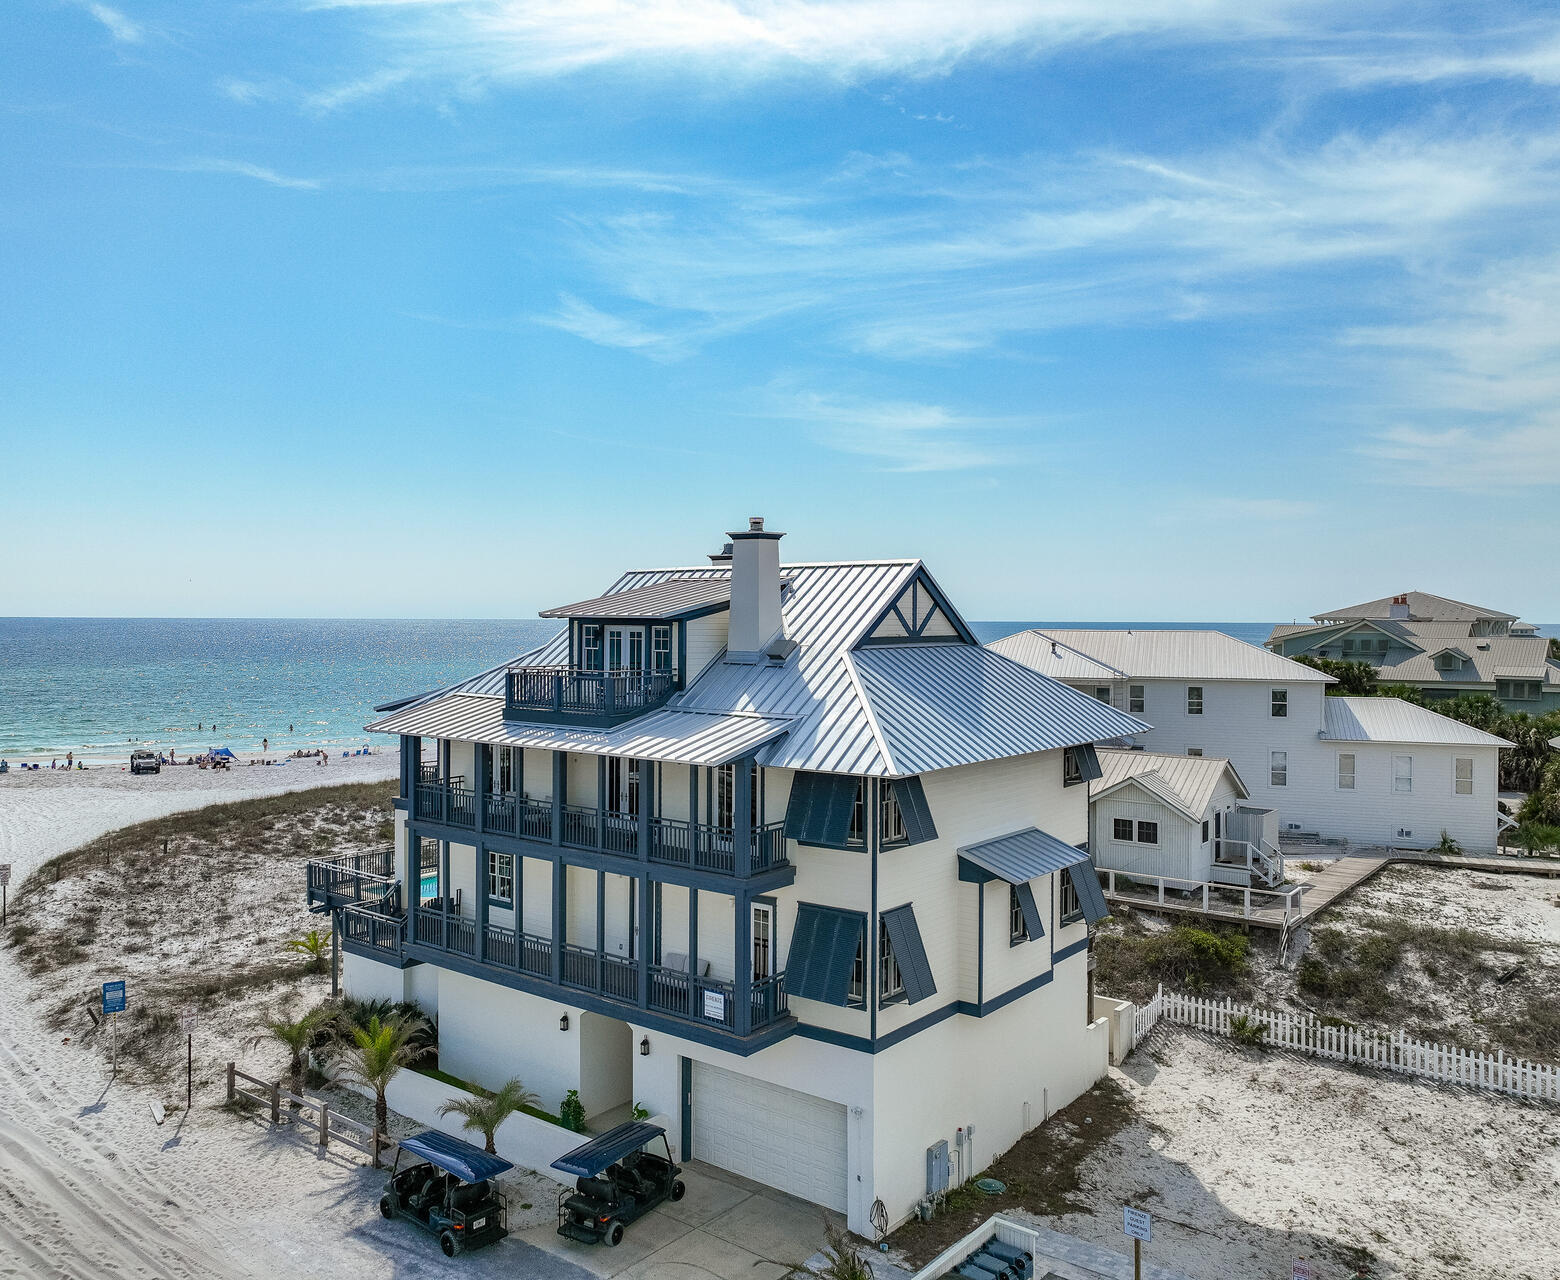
x: 1169, y: 309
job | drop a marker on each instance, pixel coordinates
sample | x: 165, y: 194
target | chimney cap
x: 755, y: 529
x: 723, y: 556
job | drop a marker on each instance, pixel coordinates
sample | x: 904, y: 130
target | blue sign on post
x: 114, y: 997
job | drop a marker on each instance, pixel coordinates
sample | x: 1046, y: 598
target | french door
x: 763, y: 941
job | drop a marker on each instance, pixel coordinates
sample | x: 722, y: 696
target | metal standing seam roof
x: 1022, y: 856
x: 1190, y: 780
x: 591, y: 1158
x: 1396, y: 721
x: 670, y: 736
x: 1171, y: 655
x: 1489, y: 658
x: 1423, y: 606
x: 1049, y: 657
x: 667, y: 598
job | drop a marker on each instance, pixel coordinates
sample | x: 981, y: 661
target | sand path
x: 90, y: 1186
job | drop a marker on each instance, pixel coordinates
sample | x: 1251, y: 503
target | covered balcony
x: 576, y: 695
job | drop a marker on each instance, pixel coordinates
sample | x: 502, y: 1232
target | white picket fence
x: 1389, y: 1052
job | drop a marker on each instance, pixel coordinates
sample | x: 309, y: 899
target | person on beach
x: 265, y: 745
x: 70, y: 759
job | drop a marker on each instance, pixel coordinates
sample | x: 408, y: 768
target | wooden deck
x: 1341, y: 878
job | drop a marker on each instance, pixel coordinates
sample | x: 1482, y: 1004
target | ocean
x: 101, y: 686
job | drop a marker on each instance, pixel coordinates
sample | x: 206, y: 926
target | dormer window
x: 590, y: 646
x: 661, y: 648
x: 1448, y: 662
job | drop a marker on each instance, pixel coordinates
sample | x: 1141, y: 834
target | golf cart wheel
x: 679, y: 1189
x: 613, y: 1234
x: 385, y: 1207
x: 449, y: 1243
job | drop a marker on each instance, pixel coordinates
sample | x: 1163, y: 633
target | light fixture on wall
x: 563, y: 1023
x: 644, y: 1047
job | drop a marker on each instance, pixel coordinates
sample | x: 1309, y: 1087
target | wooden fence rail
x: 330, y: 1126
x: 1391, y: 1051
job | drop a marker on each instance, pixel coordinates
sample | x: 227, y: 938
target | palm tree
x: 313, y: 944
x: 373, y: 1054
x: 297, y: 1036
x: 485, y: 1112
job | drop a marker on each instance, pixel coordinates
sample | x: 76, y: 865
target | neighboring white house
x: 1183, y: 817
x: 781, y: 851
x: 1366, y: 770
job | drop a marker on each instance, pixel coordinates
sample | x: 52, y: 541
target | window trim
x: 1400, y: 777
x: 1278, y: 768
x: 1065, y: 887
x: 499, y: 876
x: 1278, y: 704
x: 1099, y: 689
x: 1146, y: 822
x: 1457, y: 780
x: 1115, y: 831
x: 1353, y: 771
x: 1136, y: 699
x: 1196, y: 710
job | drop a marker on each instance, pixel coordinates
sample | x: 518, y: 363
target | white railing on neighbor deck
x: 1143, y: 890
x: 1392, y: 1051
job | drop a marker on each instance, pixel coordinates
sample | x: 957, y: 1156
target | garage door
x: 776, y: 1136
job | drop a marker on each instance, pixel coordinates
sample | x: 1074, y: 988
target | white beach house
x: 780, y: 850
x: 1375, y: 771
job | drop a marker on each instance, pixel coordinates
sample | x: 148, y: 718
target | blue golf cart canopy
x: 449, y: 1153
x: 614, y: 1144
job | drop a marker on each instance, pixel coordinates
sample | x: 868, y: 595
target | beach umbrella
x: 222, y: 753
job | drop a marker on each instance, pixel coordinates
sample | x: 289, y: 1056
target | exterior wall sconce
x: 563, y: 1023
x: 644, y: 1047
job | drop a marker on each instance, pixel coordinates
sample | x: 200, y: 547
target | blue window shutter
x: 905, y: 937
x: 1026, y: 904
x: 911, y: 798
x: 818, y: 812
x: 1089, y: 762
x: 1090, y: 897
x: 814, y: 968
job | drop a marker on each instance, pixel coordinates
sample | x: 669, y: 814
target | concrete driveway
x: 725, y: 1226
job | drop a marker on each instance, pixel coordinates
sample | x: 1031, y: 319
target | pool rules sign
x: 1137, y: 1224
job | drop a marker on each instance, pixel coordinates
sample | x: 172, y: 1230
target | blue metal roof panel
x: 590, y: 1159
x: 446, y: 1151
x: 1022, y: 856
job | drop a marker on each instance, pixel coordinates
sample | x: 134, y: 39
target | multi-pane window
x: 1519, y: 690
x: 1403, y: 773
x: 1462, y: 776
x: 1345, y: 771
x: 1194, y: 751
x: 1148, y: 832
x: 892, y: 816
x: 661, y: 648
x: 1205, y: 831
x: 891, y: 983
x: 726, y: 795
x: 1135, y: 699
x: 857, y: 833
x: 1102, y: 692
x: 1280, y: 703
x: 1018, y: 929
x: 1067, y: 894
x: 506, y: 770
x: 857, y: 994
x: 486, y: 750
x: 501, y: 877
x: 1278, y: 768
x: 1194, y: 699
x: 590, y: 646
x: 1121, y: 828
x: 1072, y: 770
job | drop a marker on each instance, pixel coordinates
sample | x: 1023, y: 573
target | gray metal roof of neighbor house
x: 1162, y: 655
x: 1393, y: 720
x: 1191, y: 780
x: 887, y: 711
x: 669, y: 598
x: 1422, y: 607
x: 1488, y: 658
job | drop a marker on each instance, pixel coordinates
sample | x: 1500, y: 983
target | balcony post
x: 642, y: 950
x: 609, y: 694
x: 479, y: 778
x: 560, y: 916
x: 601, y: 931
x: 558, y: 677
x: 693, y: 950
x: 742, y: 970
x: 482, y: 902
x: 560, y: 784
x: 742, y: 819
x: 444, y: 893
x: 646, y: 801
x: 411, y: 766
x: 601, y: 803
x: 693, y: 815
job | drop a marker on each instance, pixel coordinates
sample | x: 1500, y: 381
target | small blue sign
x: 114, y: 997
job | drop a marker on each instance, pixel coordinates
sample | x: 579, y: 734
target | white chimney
x: 755, y: 592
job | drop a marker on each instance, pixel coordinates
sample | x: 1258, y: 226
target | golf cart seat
x: 430, y: 1194
x: 468, y: 1194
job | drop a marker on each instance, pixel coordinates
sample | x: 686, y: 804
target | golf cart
x: 616, y: 1182
x: 448, y: 1191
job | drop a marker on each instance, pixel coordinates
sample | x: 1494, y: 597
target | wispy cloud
x: 1471, y: 460
x: 901, y: 435
x: 123, y: 29
x: 576, y: 316
x: 243, y: 169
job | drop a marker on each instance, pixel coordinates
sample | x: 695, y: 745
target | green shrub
x: 571, y: 1112
x: 1247, y: 1030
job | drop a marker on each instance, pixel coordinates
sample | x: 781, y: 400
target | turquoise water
x: 98, y: 686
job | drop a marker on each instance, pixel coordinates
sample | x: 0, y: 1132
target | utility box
x: 937, y: 1168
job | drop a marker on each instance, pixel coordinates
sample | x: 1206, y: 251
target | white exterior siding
x: 706, y: 638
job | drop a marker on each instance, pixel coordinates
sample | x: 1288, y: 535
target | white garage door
x: 776, y: 1136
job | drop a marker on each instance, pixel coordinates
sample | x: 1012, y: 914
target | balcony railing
x: 701, y: 846
x: 562, y: 694
x: 373, y: 928
x: 351, y: 879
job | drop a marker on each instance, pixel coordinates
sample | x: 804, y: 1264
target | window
x: 892, y: 818
x: 1067, y: 895
x: 891, y: 983
x: 1345, y: 771
x: 1519, y: 690
x: 857, y: 993
x: 1280, y: 703
x: 857, y: 834
x: 1072, y: 771
x: 1194, y: 699
x: 1121, y: 829
x: 501, y: 878
x: 1102, y: 692
x: 590, y: 646
x: 1403, y: 773
x: 1148, y: 832
x: 1194, y: 751
x: 1448, y: 662
x: 1278, y: 769
x: 487, y: 763
x: 1462, y: 776
x: 661, y: 648
x: 1205, y: 831
x: 726, y: 795
x: 1135, y: 699
x: 506, y: 770
x: 1018, y: 931
x: 636, y: 650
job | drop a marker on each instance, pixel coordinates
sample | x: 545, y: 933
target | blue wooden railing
x: 556, y: 693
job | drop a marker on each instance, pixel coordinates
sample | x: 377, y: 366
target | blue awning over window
x: 1031, y: 913
x: 1018, y: 858
x: 824, y: 943
x: 590, y: 1159
x: 904, y: 936
x: 447, y: 1152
